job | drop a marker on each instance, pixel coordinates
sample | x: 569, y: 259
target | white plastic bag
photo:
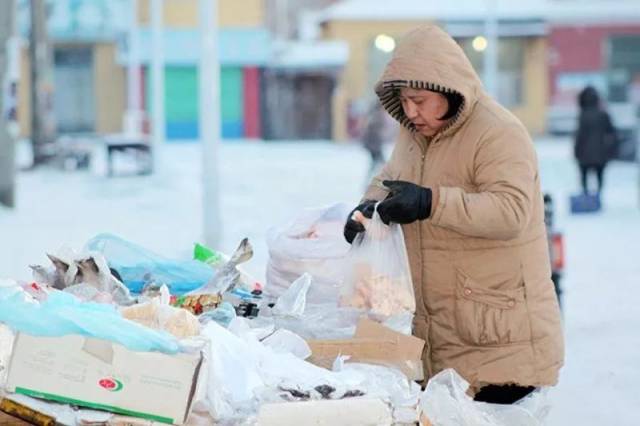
x: 6, y: 346
x: 293, y: 301
x: 377, y: 274
x: 283, y: 341
x: 311, y: 243
x: 312, y: 321
x: 445, y: 403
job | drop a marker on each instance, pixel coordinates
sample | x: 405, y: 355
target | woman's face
x: 424, y: 108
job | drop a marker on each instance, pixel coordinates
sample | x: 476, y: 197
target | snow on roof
x: 460, y: 10
x: 432, y: 9
x: 237, y: 47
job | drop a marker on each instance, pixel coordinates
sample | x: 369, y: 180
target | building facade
x: 547, y: 49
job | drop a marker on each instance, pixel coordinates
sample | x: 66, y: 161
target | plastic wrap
x: 311, y: 243
x: 62, y: 313
x: 6, y: 346
x: 139, y: 267
x: 445, y: 403
x: 245, y: 373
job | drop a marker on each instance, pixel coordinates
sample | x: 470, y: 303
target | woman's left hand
x: 406, y: 202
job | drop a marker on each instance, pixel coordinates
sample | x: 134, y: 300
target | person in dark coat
x: 594, y: 139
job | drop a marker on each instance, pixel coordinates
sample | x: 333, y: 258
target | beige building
x: 88, y: 82
x: 371, y: 28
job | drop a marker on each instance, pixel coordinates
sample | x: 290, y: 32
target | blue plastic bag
x: 138, y: 266
x: 62, y: 314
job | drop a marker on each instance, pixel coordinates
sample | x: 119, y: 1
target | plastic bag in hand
x: 377, y: 274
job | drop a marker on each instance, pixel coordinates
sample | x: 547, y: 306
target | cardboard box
x: 106, y: 376
x: 373, y: 343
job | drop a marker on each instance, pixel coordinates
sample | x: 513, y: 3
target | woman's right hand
x: 353, y: 227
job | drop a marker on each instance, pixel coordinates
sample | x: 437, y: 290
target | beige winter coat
x: 480, y: 265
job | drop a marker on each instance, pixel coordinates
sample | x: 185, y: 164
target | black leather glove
x: 406, y: 202
x: 352, y: 227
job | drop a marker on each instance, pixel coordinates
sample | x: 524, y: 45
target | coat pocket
x: 491, y: 317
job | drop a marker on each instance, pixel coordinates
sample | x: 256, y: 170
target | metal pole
x: 40, y: 80
x: 157, y: 71
x: 133, y: 115
x: 282, y: 10
x: 209, y: 120
x: 7, y: 147
x: 490, y: 64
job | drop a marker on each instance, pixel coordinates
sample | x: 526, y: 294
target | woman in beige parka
x: 463, y: 180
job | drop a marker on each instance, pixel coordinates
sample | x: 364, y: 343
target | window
x: 510, y: 83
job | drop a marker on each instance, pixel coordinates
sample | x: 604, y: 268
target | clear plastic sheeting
x: 322, y: 322
x: 244, y: 373
x: 6, y: 346
x: 445, y: 403
x: 293, y: 301
x: 62, y: 313
x: 311, y: 243
x: 293, y: 311
x: 391, y: 386
x: 311, y: 321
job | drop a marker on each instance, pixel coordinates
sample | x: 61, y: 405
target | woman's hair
x: 455, y: 102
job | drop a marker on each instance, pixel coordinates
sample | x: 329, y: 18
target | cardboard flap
x: 407, y: 347
x: 376, y: 344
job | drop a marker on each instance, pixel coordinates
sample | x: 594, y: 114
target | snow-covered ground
x: 264, y: 184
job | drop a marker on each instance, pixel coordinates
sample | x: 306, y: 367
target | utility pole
x: 209, y: 120
x: 133, y: 114
x: 7, y: 147
x: 490, y: 64
x: 282, y: 19
x: 40, y: 81
x: 157, y: 78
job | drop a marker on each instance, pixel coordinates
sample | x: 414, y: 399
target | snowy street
x: 264, y: 184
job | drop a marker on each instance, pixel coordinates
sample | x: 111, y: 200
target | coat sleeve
x: 505, y: 175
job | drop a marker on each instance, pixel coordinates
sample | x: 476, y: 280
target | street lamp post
x: 157, y: 75
x: 490, y: 63
x: 209, y: 120
x: 133, y: 115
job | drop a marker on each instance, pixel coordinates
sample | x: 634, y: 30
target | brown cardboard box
x: 105, y: 376
x: 375, y: 344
